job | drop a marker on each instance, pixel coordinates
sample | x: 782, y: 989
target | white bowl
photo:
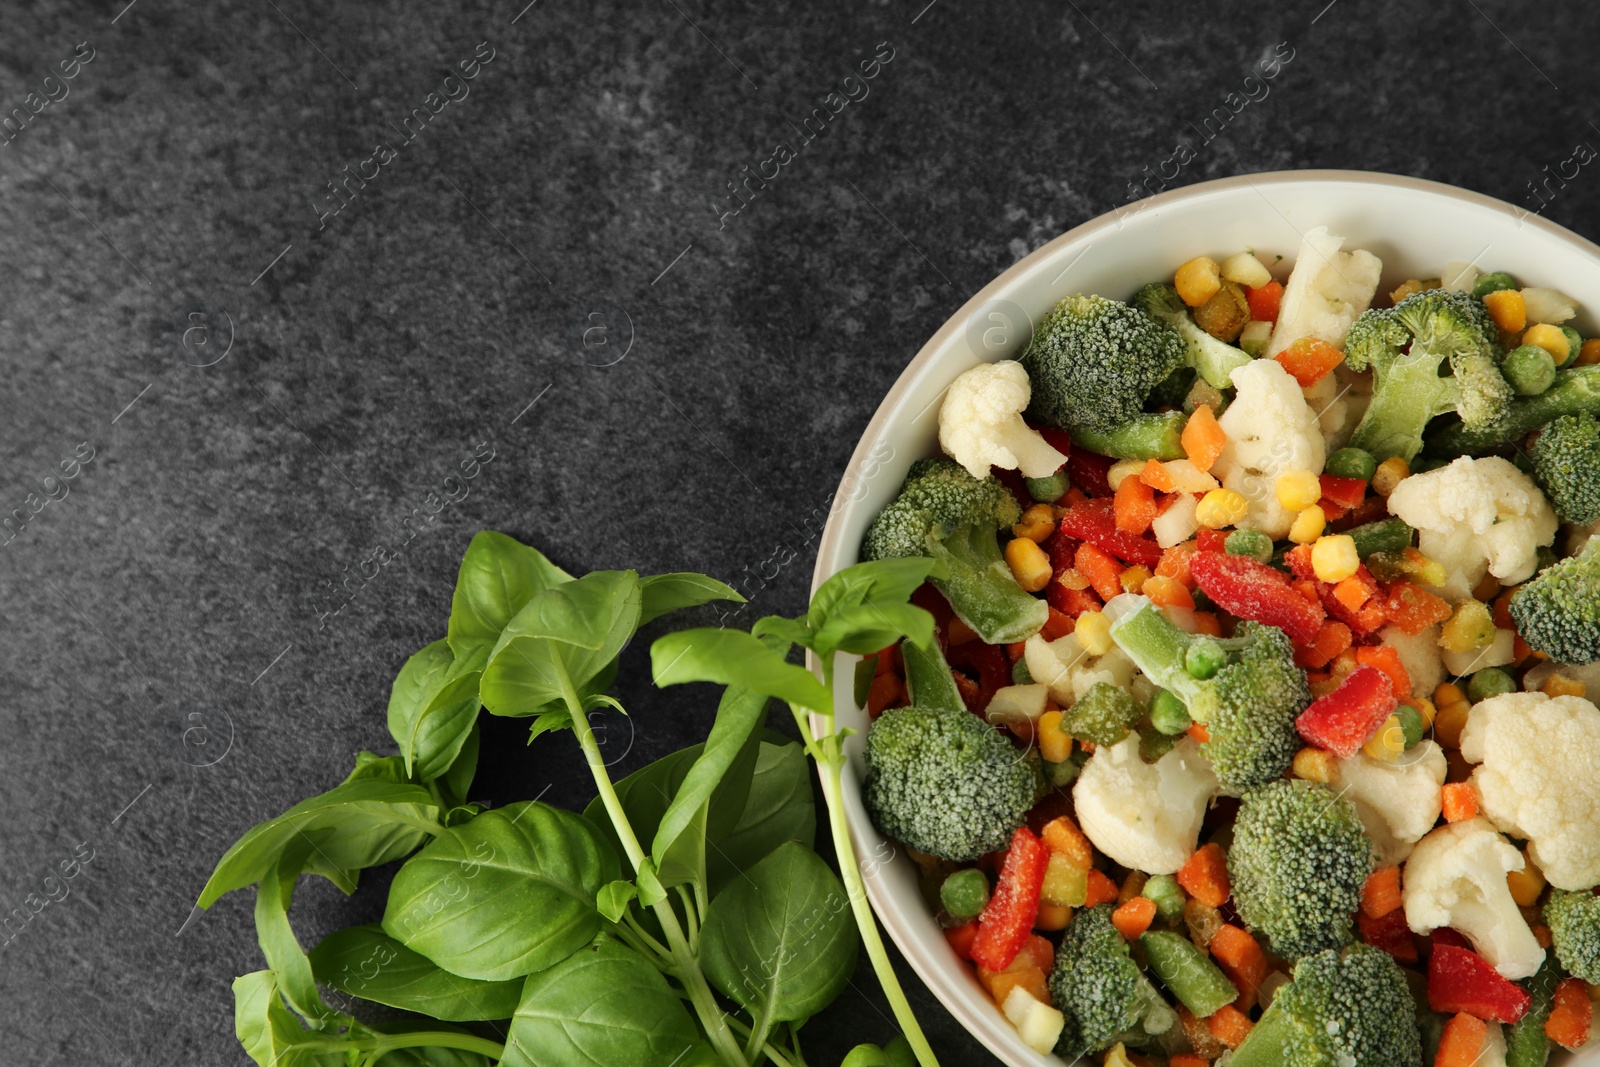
x: 1414, y: 226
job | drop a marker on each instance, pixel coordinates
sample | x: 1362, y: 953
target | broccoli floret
x: 1103, y: 993
x: 944, y: 512
x: 1214, y: 360
x: 1566, y: 462
x: 1575, y: 392
x: 1299, y: 858
x: 1102, y: 715
x: 1248, y: 706
x: 1558, y: 613
x: 1574, y: 922
x: 1093, y: 362
x: 1349, y: 1009
x: 1408, y: 346
x: 944, y: 782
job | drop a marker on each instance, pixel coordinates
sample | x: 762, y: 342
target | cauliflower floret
x: 1145, y: 816
x: 1069, y: 672
x: 980, y: 423
x: 1477, y: 513
x: 1326, y: 291
x: 1271, y: 429
x: 1419, y: 655
x: 1338, y: 404
x: 1398, y: 802
x: 1536, y: 778
x: 1456, y: 877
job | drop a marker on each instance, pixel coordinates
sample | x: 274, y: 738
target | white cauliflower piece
x: 1398, y: 802
x: 1456, y: 877
x: 1327, y: 290
x: 1339, y: 407
x: 1494, y: 1049
x: 1419, y: 655
x: 1536, y: 778
x: 1178, y: 523
x: 1271, y: 429
x: 1477, y: 513
x: 1068, y: 672
x: 980, y: 423
x: 1548, y: 305
x: 1145, y: 816
x: 1501, y: 650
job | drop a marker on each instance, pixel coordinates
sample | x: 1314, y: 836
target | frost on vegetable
x: 1398, y: 801
x: 1326, y: 291
x: 980, y: 423
x: 1145, y: 816
x: 1271, y: 429
x: 1456, y: 877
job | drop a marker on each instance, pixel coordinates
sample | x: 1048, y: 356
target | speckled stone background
x: 172, y: 665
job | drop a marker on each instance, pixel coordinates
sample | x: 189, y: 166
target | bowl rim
x: 940, y: 980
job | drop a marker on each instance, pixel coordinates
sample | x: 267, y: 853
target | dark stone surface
x: 176, y: 592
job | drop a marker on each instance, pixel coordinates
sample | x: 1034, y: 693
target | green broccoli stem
x: 1575, y: 391
x: 1404, y: 399
x: 1145, y: 436
x: 1267, y: 1042
x: 1526, y: 1043
x: 1157, y: 648
x: 981, y: 588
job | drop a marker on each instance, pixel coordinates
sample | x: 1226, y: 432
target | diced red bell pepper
x: 1412, y: 608
x: 1093, y: 521
x: 993, y: 670
x: 1070, y: 602
x: 1346, y: 492
x: 1444, y: 935
x: 961, y: 938
x: 1389, y: 933
x: 1461, y: 980
x: 933, y: 602
x: 1346, y: 718
x: 1008, y: 919
x: 1088, y: 471
x: 1264, y: 300
x: 1210, y: 540
x: 1253, y: 590
x: 1060, y: 548
x: 1012, y: 480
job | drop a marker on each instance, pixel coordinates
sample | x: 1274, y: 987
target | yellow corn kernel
x: 1028, y: 563
x: 1308, y: 525
x: 1315, y: 765
x: 1037, y: 523
x: 1134, y: 577
x: 1388, y: 742
x: 1198, y: 280
x: 1508, y: 310
x: 1409, y: 286
x: 1297, y: 489
x: 1449, y: 722
x: 1425, y: 710
x: 1526, y: 885
x: 1072, y: 578
x: 1472, y: 626
x: 1334, y: 557
x: 1448, y: 693
x: 1588, y: 352
x: 1559, y: 685
x: 1390, y: 473
x: 1093, y: 631
x: 1221, y: 507
x: 1116, y: 1056
x: 1550, y: 338
x: 1055, y: 744
x: 1123, y: 468
x: 1052, y: 917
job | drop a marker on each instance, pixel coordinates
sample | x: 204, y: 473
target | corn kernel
x: 1198, y: 280
x: 1028, y: 563
x: 1052, y: 917
x: 1407, y: 287
x: 1589, y: 352
x: 1315, y: 765
x: 1123, y: 468
x: 1037, y: 523
x: 1055, y: 744
x: 1072, y: 578
x: 1334, y: 557
x: 1134, y: 577
x: 1388, y: 742
x: 1508, y: 309
x: 1308, y: 525
x: 1448, y: 693
x: 1449, y: 722
x: 1550, y: 338
x: 1221, y: 507
x: 1559, y: 685
x: 1472, y: 626
x: 1390, y: 473
x: 1425, y: 709
x: 1297, y: 489
x: 1526, y: 885
x: 1093, y: 631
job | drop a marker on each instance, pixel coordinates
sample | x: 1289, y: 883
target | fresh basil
x: 778, y: 808
x: 433, y: 707
x: 271, y: 1036
x: 366, y: 962
x: 733, y: 657
x: 432, y: 1057
x: 279, y: 944
x: 498, y: 576
x: 385, y: 768
x: 672, y: 592
x: 454, y: 783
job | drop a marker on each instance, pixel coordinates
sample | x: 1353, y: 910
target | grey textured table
x: 176, y: 663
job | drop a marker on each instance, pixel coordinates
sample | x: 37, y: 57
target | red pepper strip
x: 993, y: 670
x: 1094, y: 521
x: 1390, y: 933
x: 932, y: 601
x: 1264, y: 300
x: 1256, y: 591
x: 1461, y: 980
x: 1089, y: 470
x: 1061, y: 549
x: 1446, y: 936
x: 1346, y: 718
x: 1349, y: 492
x: 1210, y: 540
x: 1008, y: 919
x: 1072, y: 602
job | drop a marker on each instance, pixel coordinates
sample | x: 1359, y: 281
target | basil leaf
x: 793, y: 631
x: 498, y: 576
x: 779, y: 807
x: 359, y: 824
x: 863, y: 628
x: 683, y: 589
x: 883, y: 580
x: 384, y: 768
x: 562, y: 639
x: 278, y: 943
x: 733, y: 657
x: 604, y: 1006
x: 454, y: 783
x: 509, y: 893
x: 739, y: 714
x: 367, y: 963
x: 432, y: 1056
x: 433, y: 706
x: 270, y: 1035
x: 613, y: 899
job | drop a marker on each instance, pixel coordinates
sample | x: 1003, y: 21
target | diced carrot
x: 1175, y: 563
x: 1102, y: 890
x: 1459, y: 802
x: 1101, y: 568
x: 1205, y: 875
x: 1057, y: 624
x: 1332, y: 639
x: 1569, y: 1020
x: 961, y: 938
x: 1264, y: 300
x: 1202, y: 438
x: 1462, y: 1042
x: 1206, y: 622
x: 1167, y: 592
x: 1309, y: 360
x: 1381, y: 894
x: 1352, y: 592
x: 1199, y: 1035
x: 1015, y: 650
x: 1165, y: 501
x: 1414, y: 609
x: 1134, y: 506
x: 1198, y: 731
x: 1040, y: 951
x: 1030, y: 978
x: 1230, y: 1025
x: 1062, y: 835
x: 887, y: 691
x: 1189, y: 1059
x: 1053, y: 916
x: 1134, y: 917
x: 1386, y: 659
x: 1156, y: 477
x: 1502, y: 609
x: 1242, y: 960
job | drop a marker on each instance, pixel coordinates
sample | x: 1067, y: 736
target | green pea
x: 964, y: 894
x: 1493, y: 282
x: 1168, y: 714
x: 1410, y: 723
x: 1050, y: 488
x: 1252, y: 543
x: 1060, y: 775
x: 1204, y: 658
x: 1574, y: 343
x: 1163, y: 891
x: 1020, y: 675
x: 1530, y: 369
x: 1351, y: 463
x: 1490, y: 682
